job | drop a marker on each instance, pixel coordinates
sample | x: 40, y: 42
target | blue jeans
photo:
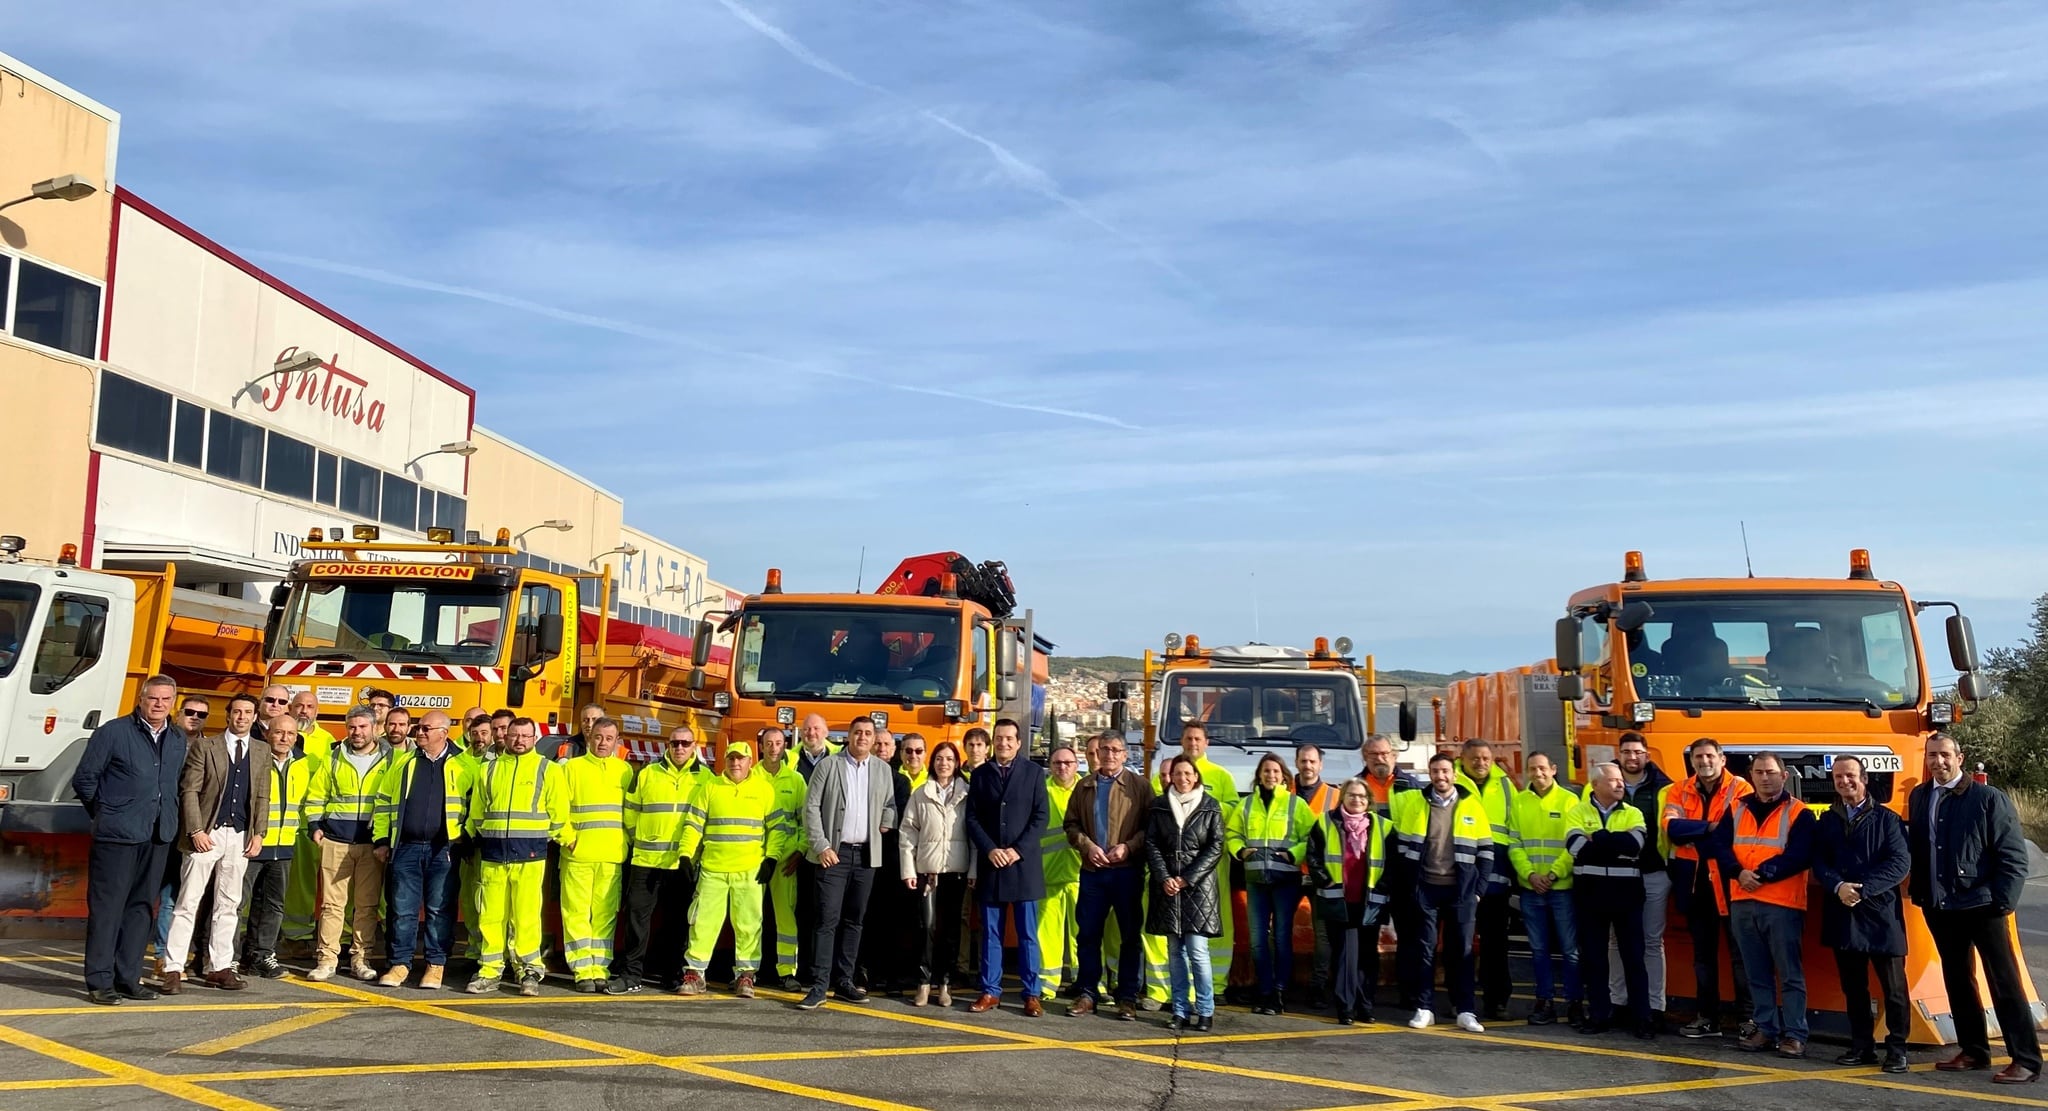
x: 1188, y: 957
x: 1553, y: 932
x: 419, y: 875
x: 1769, y: 937
x: 1025, y: 917
x: 1271, y: 907
x: 1118, y: 891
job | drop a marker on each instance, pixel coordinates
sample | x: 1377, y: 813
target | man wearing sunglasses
x: 273, y: 701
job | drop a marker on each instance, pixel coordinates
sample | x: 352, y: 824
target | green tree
x: 2008, y: 731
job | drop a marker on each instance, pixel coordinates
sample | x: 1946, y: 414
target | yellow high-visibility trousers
x: 509, y: 899
x: 782, y: 893
x: 1059, y: 950
x: 723, y: 896
x: 301, y: 889
x: 590, y: 915
x: 472, y: 915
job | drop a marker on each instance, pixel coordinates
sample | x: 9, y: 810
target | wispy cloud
x: 1020, y: 172
x: 674, y: 338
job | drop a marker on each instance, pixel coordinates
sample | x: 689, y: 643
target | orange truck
x: 938, y: 649
x: 1810, y: 669
x: 451, y: 626
x: 75, y: 645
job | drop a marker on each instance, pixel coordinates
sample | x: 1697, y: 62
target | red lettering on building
x: 327, y: 388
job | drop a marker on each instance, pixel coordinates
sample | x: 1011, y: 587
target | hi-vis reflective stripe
x: 505, y: 818
x: 1612, y: 873
x: 1779, y: 831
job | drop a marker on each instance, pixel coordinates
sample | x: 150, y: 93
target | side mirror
x: 1117, y: 690
x: 1633, y: 616
x: 1006, y: 688
x: 1570, y: 688
x: 1407, y: 716
x: 1119, y: 718
x: 700, y: 645
x: 547, y: 642
x: 1006, y: 654
x: 697, y: 678
x: 1962, y: 644
x: 1970, y: 687
x: 92, y: 636
x: 279, y: 595
x: 1568, y: 645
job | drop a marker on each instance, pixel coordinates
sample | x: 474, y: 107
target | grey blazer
x: 825, y: 806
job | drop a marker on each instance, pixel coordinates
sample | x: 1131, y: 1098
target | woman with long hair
x: 936, y: 863
x: 1183, y: 842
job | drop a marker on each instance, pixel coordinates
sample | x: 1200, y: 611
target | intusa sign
x: 326, y: 388
x: 462, y: 572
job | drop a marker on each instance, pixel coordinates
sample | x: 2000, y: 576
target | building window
x: 451, y: 512
x: 134, y: 417
x: 188, y: 436
x: 56, y: 310
x: 359, y: 484
x: 288, y: 467
x: 325, y: 478
x: 234, y: 450
x: 427, y: 519
x: 401, y: 502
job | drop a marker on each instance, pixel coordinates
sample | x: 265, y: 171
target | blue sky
x: 1402, y: 319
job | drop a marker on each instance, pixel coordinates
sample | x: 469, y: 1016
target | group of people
x: 892, y: 865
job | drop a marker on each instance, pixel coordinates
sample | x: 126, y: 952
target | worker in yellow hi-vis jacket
x: 594, y: 854
x: 726, y: 830
x: 518, y: 805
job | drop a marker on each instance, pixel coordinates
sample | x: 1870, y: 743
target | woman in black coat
x: 1860, y: 860
x: 1183, y: 842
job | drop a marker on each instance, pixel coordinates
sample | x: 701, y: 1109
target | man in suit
x: 1859, y: 860
x: 223, y: 812
x: 1007, y: 812
x: 1969, y: 866
x: 850, y: 804
x: 127, y: 780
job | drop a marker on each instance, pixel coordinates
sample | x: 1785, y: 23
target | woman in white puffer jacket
x: 936, y: 862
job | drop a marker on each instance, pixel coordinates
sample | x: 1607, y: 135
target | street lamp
x: 555, y: 523
x: 623, y: 549
x: 69, y: 187
x: 297, y: 360
x: 459, y: 447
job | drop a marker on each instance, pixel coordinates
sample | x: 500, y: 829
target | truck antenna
x: 1746, y: 565
x: 860, y: 574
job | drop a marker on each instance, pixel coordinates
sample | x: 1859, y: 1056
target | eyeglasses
x: 276, y: 701
x: 193, y: 713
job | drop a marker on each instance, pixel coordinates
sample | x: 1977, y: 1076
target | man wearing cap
x: 726, y: 832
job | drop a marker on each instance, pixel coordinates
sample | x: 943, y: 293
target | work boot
x: 430, y: 980
x: 1126, y: 1010
x: 589, y: 987
x: 792, y: 984
x: 693, y: 983
x: 529, y: 984
x: 481, y: 986
x: 1149, y: 1004
x: 173, y: 983
x: 1544, y: 1014
x: 1791, y: 1048
x: 1756, y: 1043
x: 743, y: 985
x: 361, y: 970
x: 395, y: 976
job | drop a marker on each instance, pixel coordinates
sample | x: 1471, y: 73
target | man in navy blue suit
x: 1007, y: 812
x: 128, y: 783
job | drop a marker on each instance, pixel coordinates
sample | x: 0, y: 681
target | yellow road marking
x: 176, y: 1087
x: 407, y: 1068
x: 242, y: 1039
x: 679, y: 1064
x: 1957, y: 1093
x: 169, y: 1008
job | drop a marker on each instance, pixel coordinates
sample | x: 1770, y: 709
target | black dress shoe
x: 1857, y: 1057
x: 141, y: 993
x: 1896, y: 1063
x: 851, y: 993
x: 1205, y: 1023
x: 105, y: 997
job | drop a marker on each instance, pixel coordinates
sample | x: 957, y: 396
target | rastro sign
x: 461, y: 572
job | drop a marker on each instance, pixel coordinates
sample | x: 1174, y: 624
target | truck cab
x: 1258, y: 698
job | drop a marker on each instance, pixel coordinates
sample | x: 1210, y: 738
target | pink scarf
x: 1357, y: 830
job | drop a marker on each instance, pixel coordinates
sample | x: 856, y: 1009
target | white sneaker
x: 1423, y: 1020
x: 1469, y: 1023
x: 322, y: 971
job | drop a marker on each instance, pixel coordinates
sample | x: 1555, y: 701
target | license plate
x: 1884, y: 762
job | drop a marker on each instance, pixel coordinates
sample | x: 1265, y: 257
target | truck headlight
x: 1942, y: 713
x: 722, y: 701
x: 1643, y: 713
x: 785, y: 715
x: 956, y: 709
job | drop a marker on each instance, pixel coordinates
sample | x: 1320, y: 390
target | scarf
x: 1183, y: 805
x: 1357, y: 834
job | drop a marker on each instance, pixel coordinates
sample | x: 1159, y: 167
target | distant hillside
x: 1108, y: 666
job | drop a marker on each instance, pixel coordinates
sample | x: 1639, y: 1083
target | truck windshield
x: 17, y: 617
x: 1806, y: 650
x: 344, y: 619
x: 1273, y: 708
x: 865, y: 652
